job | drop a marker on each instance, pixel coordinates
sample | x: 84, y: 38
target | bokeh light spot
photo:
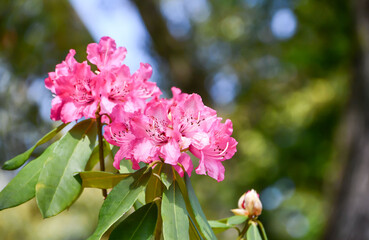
x: 224, y: 88
x: 297, y: 225
x: 283, y: 24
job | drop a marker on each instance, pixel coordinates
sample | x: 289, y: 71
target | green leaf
x: 166, y: 175
x: 22, y: 187
x: 221, y: 225
x: 155, y: 189
x: 140, y: 201
x: 253, y: 232
x: 94, y: 158
x: 102, y: 180
x: 19, y: 160
x: 154, y: 186
x: 235, y: 220
x: 141, y: 198
x: 57, y: 187
x: 182, y: 186
x: 197, y: 211
x: 217, y: 224
x: 120, y: 200
x: 194, y: 232
x: 174, y: 214
x: 126, y: 166
x: 139, y: 225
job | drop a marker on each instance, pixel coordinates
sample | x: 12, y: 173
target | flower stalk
x: 244, y: 230
x: 101, y: 147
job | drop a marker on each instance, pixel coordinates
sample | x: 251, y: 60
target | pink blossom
x: 118, y: 87
x: 74, y: 86
x: 221, y: 147
x: 166, y: 129
x: 106, y: 55
x: 153, y: 138
x: 186, y: 162
x: 81, y: 93
x: 192, y: 119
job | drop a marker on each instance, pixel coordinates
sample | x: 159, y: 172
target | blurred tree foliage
x: 34, y: 36
x: 291, y: 92
x: 291, y: 96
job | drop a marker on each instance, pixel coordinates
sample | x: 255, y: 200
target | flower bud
x: 249, y: 205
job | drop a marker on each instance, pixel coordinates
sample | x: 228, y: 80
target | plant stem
x: 101, y: 149
x: 244, y: 230
x: 262, y: 230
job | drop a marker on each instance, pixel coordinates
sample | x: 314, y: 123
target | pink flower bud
x: 249, y: 205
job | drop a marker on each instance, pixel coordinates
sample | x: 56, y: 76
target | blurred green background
x: 281, y: 70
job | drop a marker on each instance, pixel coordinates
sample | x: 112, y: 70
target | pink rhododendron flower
x: 153, y: 137
x: 106, y: 55
x: 167, y: 128
x: 81, y: 93
x: 221, y: 147
x: 73, y: 84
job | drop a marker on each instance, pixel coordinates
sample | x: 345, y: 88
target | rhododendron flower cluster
x: 145, y: 127
x: 167, y: 128
x: 81, y: 93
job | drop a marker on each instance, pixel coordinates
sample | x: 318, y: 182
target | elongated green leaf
x: 155, y: 189
x: 166, y: 175
x: 194, y: 232
x: 102, y: 180
x: 141, y: 198
x: 57, y: 187
x: 120, y: 200
x: 159, y: 222
x: 20, y: 159
x: 94, y: 158
x: 174, y: 214
x: 219, y: 227
x: 22, y: 187
x: 197, y: 210
x: 226, y: 223
x: 140, y: 201
x: 154, y: 186
x: 182, y: 186
x: 217, y: 224
x: 140, y: 225
x: 253, y: 232
x: 235, y: 220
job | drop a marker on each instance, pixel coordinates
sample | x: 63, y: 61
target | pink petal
x: 186, y: 162
x: 215, y: 169
x: 185, y: 142
x: 144, y: 151
x: 50, y: 82
x: 106, y: 105
x: 170, y: 152
x: 201, y: 168
x: 200, y: 140
x: 70, y: 112
x: 105, y: 55
x: 90, y: 110
x: 211, y: 167
x: 56, y: 105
